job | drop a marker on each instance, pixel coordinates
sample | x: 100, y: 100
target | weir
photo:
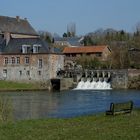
x: 94, y: 83
x: 96, y: 79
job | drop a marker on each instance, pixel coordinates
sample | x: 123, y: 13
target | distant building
x: 100, y: 52
x: 23, y: 55
x: 69, y: 41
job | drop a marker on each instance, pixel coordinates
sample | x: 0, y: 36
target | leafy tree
x: 69, y: 34
x: 65, y: 35
x: 87, y: 41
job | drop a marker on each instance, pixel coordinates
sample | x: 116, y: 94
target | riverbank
x: 66, y: 83
x: 16, y: 86
x: 97, y: 127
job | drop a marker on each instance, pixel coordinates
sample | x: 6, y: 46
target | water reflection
x: 34, y: 105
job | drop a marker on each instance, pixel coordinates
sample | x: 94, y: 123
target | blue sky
x: 88, y: 15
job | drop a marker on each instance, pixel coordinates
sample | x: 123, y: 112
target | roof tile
x: 14, y: 25
x: 86, y: 49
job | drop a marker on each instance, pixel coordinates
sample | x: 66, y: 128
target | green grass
x: 7, y: 85
x: 6, y: 109
x: 97, y: 127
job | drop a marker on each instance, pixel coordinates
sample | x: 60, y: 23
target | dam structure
x: 93, y: 79
x: 93, y: 85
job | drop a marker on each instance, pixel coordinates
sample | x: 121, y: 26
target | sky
x: 88, y: 15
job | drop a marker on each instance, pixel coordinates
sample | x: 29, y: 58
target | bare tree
x: 71, y: 29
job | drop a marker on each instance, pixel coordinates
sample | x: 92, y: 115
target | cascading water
x: 93, y: 85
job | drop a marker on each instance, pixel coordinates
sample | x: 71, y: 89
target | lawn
x: 94, y: 127
x: 8, y: 85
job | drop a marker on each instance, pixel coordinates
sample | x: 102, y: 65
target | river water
x: 65, y: 104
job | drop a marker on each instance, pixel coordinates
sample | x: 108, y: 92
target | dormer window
x: 36, y: 48
x: 25, y: 48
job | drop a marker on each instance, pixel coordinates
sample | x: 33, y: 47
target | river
x: 65, y: 104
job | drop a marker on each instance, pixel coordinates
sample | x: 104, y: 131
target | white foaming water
x: 99, y: 85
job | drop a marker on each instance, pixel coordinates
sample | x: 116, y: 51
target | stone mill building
x: 24, y: 57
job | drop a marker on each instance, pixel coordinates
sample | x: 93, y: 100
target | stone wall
x: 61, y: 84
x: 39, y: 68
x: 67, y: 83
x: 119, y: 79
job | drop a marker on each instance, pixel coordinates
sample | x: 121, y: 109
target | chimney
x: 7, y: 37
x: 18, y: 18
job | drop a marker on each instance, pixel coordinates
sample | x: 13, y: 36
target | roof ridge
x: 16, y: 25
x: 25, y: 19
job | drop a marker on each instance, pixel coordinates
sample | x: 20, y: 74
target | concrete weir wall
x: 61, y: 84
x: 66, y: 83
x: 118, y: 78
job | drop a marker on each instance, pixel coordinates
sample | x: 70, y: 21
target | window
x: 28, y: 73
x: 18, y: 60
x: 39, y: 72
x: 26, y: 60
x: 5, y: 73
x: 98, y: 54
x: 73, y: 55
x: 36, y: 48
x: 20, y: 72
x: 26, y: 48
x: 68, y: 55
x: 13, y: 60
x: 6, y: 60
x: 40, y: 63
x: 88, y: 54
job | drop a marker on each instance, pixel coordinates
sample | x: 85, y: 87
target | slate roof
x: 86, y: 49
x: 17, y: 26
x: 73, y: 41
x: 2, y: 43
x: 56, y: 50
x: 1, y: 40
x: 15, y: 45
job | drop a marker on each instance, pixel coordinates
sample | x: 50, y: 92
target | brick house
x: 100, y: 52
x: 72, y: 54
x: 23, y: 55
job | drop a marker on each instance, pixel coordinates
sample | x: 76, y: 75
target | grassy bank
x: 8, y: 85
x: 99, y: 127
